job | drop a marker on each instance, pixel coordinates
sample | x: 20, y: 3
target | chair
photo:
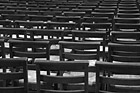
x: 61, y: 81
x: 29, y: 24
x: 118, y: 77
x: 5, y: 23
x: 88, y: 51
x: 95, y: 19
x: 125, y: 37
x: 40, y: 18
x: 97, y: 27
x: 91, y: 36
x: 54, y: 13
x: 51, y: 35
x: 30, y: 49
x: 13, y: 76
x: 61, y: 25
x: 74, y: 13
x: 2, y: 48
x: 13, y: 33
x: 128, y: 15
x: 7, y: 11
x: 119, y: 52
x: 14, y: 17
x: 126, y: 26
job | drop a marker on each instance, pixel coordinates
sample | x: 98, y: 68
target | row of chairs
x: 110, y: 81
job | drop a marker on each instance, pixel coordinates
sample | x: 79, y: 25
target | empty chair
x: 13, y: 33
x: 28, y: 12
x: 13, y: 76
x: 74, y: 13
x: 89, y: 51
x: 5, y: 23
x: 128, y: 15
x: 125, y: 37
x: 95, y: 19
x: 126, y: 26
x: 40, y: 18
x: 119, y: 52
x: 60, y: 82
x: 2, y: 48
x: 7, y: 11
x: 54, y: 13
x: 118, y: 77
x: 62, y: 25
x: 97, y: 26
x: 29, y: 24
x: 91, y: 36
x: 51, y: 35
x: 30, y: 49
x: 14, y: 17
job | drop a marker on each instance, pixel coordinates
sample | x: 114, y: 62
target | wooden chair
x: 95, y: 19
x: 26, y: 12
x: 126, y: 26
x: 2, y: 48
x: 13, y: 33
x: 61, y: 25
x: 5, y: 23
x: 128, y: 11
x: 91, y: 36
x: 13, y: 76
x: 30, y: 49
x: 89, y: 51
x: 51, y: 35
x: 118, y: 52
x: 74, y: 14
x: 60, y: 82
x: 54, y: 13
x: 118, y: 77
x: 29, y: 24
x: 97, y: 27
x: 7, y: 11
x: 125, y: 37
x: 128, y: 15
x: 40, y: 18
x: 14, y: 17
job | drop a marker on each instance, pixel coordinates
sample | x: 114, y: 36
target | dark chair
x: 51, y: 35
x: 119, y: 52
x: 89, y: 51
x: 2, y: 48
x: 40, y: 18
x: 29, y: 24
x: 117, y: 77
x: 125, y: 37
x: 60, y: 82
x: 126, y: 26
x: 91, y: 36
x: 14, y: 17
x: 13, y: 33
x: 61, y: 25
x: 30, y: 49
x: 13, y: 77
